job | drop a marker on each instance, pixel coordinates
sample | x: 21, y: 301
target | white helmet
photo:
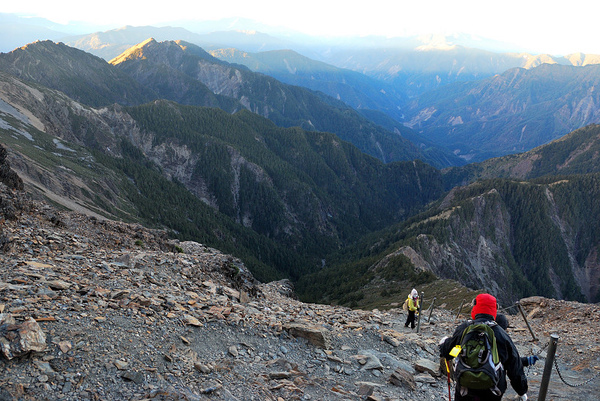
x: 414, y: 293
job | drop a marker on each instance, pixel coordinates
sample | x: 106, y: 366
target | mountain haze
x: 354, y: 89
x: 16, y: 31
x: 111, y: 44
x: 419, y: 69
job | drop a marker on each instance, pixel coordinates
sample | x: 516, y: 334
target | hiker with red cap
x: 483, y: 356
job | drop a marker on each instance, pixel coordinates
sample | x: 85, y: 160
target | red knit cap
x: 484, y: 304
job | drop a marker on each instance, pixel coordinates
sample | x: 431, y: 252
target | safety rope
x: 560, y: 373
x: 578, y: 384
x: 507, y: 308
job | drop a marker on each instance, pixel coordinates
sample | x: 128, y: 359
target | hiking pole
x: 459, y: 309
x: 548, y: 367
x: 419, y: 311
x: 449, y: 390
x: 526, y: 322
x: 431, y: 310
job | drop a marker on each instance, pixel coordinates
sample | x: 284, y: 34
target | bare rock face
x: 18, y: 339
x: 7, y: 175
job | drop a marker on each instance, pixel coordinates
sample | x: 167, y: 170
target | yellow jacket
x: 413, y: 305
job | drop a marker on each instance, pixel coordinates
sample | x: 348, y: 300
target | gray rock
x: 44, y: 367
x: 315, y: 335
x: 425, y: 365
x: 388, y: 360
x: 425, y: 378
x: 136, y: 377
x: 370, y: 361
x: 402, y: 378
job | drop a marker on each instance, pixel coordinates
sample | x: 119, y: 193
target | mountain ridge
x: 509, y: 113
x: 284, y: 104
x: 459, y: 64
x: 85, y: 78
x: 82, y: 76
x: 354, y: 89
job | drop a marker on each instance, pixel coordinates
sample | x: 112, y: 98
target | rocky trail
x: 100, y: 310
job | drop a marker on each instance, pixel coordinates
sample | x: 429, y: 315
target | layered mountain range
x: 374, y: 74
x: 284, y: 177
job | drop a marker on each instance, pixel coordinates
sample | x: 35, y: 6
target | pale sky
x: 541, y: 26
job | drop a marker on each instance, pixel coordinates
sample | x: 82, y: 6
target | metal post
x: 419, y: 310
x: 431, y: 310
x: 548, y: 367
x: 460, y: 309
x: 526, y: 322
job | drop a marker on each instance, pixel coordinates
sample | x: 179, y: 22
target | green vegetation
x: 533, y: 251
x: 308, y: 191
x: 575, y: 153
x: 83, y: 77
x: 164, y: 204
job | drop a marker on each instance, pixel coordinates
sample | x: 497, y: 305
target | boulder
x: 315, y: 335
x: 370, y: 362
x: 18, y: 339
x: 403, y: 378
x: 427, y: 366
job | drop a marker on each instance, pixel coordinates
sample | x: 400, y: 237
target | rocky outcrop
x: 8, y: 176
x: 471, y: 253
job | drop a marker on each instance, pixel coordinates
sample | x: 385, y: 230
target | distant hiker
x: 502, y: 321
x: 484, y: 355
x: 412, y: 305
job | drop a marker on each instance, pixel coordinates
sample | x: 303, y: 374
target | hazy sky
x: 537, y: 25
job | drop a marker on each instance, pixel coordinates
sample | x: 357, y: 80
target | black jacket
x: 507, y: 352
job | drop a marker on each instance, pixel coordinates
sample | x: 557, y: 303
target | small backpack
x: 478, y: 365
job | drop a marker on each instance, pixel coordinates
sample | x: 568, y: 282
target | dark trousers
x: 410, y: 319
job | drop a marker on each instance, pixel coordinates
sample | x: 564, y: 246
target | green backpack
x: 478, y: 365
